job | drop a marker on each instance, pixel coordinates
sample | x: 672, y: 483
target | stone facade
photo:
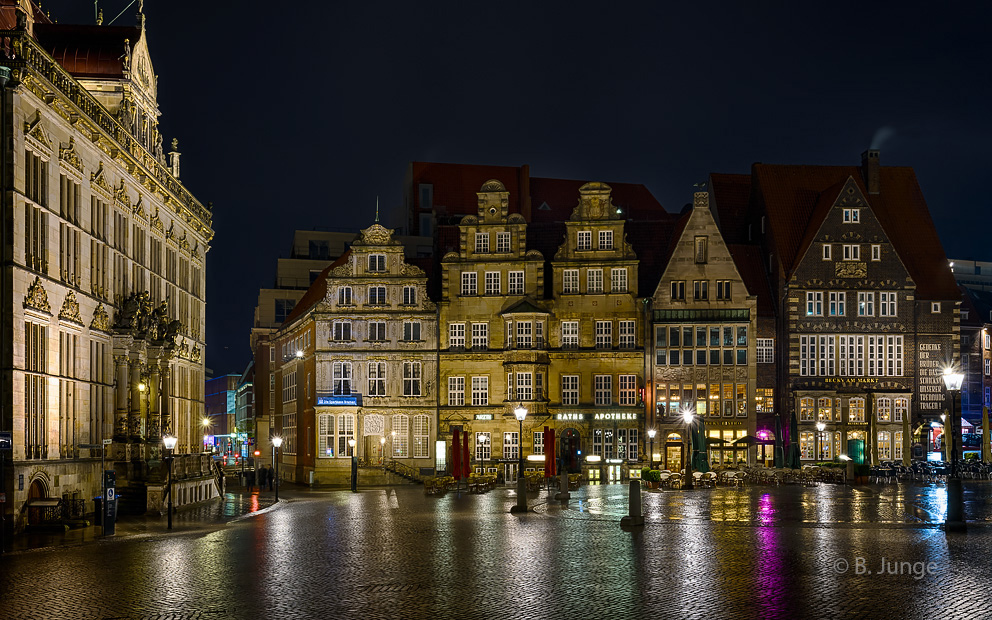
x: 104, y: 289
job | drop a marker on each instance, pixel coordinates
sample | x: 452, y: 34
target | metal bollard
x: 634, y: 517
x: 562, y: 494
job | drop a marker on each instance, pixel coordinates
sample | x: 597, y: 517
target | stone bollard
x: 634, y: 518
x: 562, y: 494
x: 521, y: 505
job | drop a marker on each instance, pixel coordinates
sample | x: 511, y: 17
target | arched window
x: 421, y: 436
x: 400, y: 436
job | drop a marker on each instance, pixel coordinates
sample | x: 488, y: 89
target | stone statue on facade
x: 127, y: 316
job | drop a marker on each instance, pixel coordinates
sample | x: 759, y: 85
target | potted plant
x: 861, y: 472
x: 652, y: 478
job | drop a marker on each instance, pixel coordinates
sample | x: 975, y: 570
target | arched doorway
x: 570, y: 448
x: 673, y: 452
x: 37, y: 493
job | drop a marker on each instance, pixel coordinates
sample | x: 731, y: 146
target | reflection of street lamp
x: 819, y: 431
x: 651, y: 434
x: 955, y: 500
x: 521, y: 506
x: 687, y: 417
x: 276, y: 443
x: 170, y: 445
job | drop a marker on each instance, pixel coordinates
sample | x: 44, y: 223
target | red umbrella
x: 456, y: 455
x: 549, y: 448
x: 547, y: 455
x: 466, y: 461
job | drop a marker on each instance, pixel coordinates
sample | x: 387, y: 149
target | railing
x: 402, y: 469
x: 187, y: 466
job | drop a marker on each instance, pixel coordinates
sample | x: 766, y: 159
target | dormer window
x: 377, y: 263
x: 827, y: 251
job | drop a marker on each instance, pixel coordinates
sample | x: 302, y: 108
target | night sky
x: 297, y: 115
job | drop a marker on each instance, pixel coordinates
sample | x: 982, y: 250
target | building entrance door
x: 673, y: 457
x: 373, y: 450
x: 613, y: 473
x: 509, y: 473
x: 570, y: 446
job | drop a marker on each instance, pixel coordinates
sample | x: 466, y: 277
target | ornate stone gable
x: 37, y: 297
x: 120, y: 195
x: 494, y: 202
x: 98, y: 180
x: 70, y: 309
x: 850, y: 195
x: 101, y: 320
x: 595, y: 203
x: 139, y: 207
x: 68, y: 155
x: 376, y: 234
x: 36, y: 136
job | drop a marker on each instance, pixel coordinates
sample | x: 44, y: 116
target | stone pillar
x: 120, y: 397
x: 134, y: 411
x: 166, y: 424
x: 154, y: 428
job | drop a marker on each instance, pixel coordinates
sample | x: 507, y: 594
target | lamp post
x: 483, y: 440
x: 521, y: 506
x: 354, y: 467
x: 819, y: 432
x: 688, y: 416
x: 276, y: 443
x: 206, y: 427
x: 382, y: 451
x: 170, y: 444
x: 651, y: 434
x: 955, y: 500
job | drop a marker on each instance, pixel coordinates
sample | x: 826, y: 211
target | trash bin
x: 98, y: 519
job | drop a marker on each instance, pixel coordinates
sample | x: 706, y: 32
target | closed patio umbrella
x: 466, y: 460
x: 986, y: 449
x: 946, y: 436
x: 700, y: 458
x: 793, y: 458
x: 871, y: 442
x: 456, y: 455
x: 779, y: 456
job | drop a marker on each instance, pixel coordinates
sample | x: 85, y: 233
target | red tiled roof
x: 730, y: 198
x: 562, y: 196
x: 456, y: 185
x: 316, y: 292
x: 87, y: 51
x: 750, y: 263
x: 794, y: 199
x: 653, y: 242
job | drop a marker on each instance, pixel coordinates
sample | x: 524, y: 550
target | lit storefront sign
x: 483, y: 416
x: 570, y: 417
x: 339, y: 400
x: 615, y: 416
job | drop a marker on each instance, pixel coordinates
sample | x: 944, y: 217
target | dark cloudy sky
x: 292, y: 115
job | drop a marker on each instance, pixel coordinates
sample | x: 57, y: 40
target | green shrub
x: 644, y: 472
x: 654, y: 475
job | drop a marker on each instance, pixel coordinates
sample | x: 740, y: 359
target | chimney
x: 869, y: 168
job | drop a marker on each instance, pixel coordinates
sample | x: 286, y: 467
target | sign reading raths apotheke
x: 932, y: 358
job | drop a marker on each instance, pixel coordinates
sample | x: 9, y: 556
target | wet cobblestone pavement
x: 761, y: 552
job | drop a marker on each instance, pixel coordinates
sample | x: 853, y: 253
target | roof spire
x: 376, y: 209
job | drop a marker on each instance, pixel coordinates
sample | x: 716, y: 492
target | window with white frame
x: 618, y: 279
x: 483, y: 446
x: 570, y: 281
x: 341, y: 378
x: 524, y: 382
x: 837, y: 302
x: 935, y: 307
x: 344, y: 296
x: 584, y: 240
x: 470, y: 283
x: 342, y: 330
x: 524, y: 334
x: 538, y: 442
x: 883, y: 409
x: 377, y: 263
x: 511, y: 445
x: 851, y: 355
x: 806, y: 409
x: 480, y: 336
x: 377, y: 378
x: 411, y: 378
x: 856, y: 409
x: 456, y: 335
x: 411, y: 331
x: 806, y: 445
x: 289, y: 386
x: 627, y: 338
x: 897, y: 445
x: 421, y: 436
x: 346, y: 431
x: 493, y: 285
x: 884, y: 445
x: 400, y: 425
x: 814, y: 303
x: 481, y: 243
x: 325, y: 436
x: 377, y: 331
x: 456, y: 391
x: 866, y: 303
x: 377, y: 295
x: 852, y: 252
x: 876, y: 252
x: 594, y: 280
x: 900, y: 409
x: 986, y: 341
x: 409, y: 295
x: 570, y: 334
x: 570, y: 389
x: 515, y: 283
x: 503, y: 242
x: 628, y: 390
x: 480, y: 391
x: 606, y: 240
x: 852, y: 216
x: 765, y: 351
x: 987, y: 363
x: 887, y: 304
x: 604, y: 334
x: 603, y: 389
x: 826, y: 251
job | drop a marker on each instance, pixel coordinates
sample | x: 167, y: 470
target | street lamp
x: 819, y: 432
x: 354, y: 466
x: 521, y: 414
x: 651, y: 434
x: 955, y: 499
x: 688, y: 416
x: 276, y: 443
x: 170, y: 444
x: 483, y: 440
x: 382, y: 451
x: 206, y: 426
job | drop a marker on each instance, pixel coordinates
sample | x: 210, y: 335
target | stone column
x: 134, y: 411
x: 166, y: 417
x: 154, y: 433
x: 120, y: 397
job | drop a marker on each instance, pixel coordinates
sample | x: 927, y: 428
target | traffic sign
x: 107, y: 442
x: 110, y: 494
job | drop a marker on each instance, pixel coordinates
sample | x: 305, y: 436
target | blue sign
x: 339, y: 400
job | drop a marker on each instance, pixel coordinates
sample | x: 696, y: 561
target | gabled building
x: 596, y: 341
x: 357, y: 368
x: 702, y: 351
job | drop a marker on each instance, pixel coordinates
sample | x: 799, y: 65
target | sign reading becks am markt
x: 930, y: 365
